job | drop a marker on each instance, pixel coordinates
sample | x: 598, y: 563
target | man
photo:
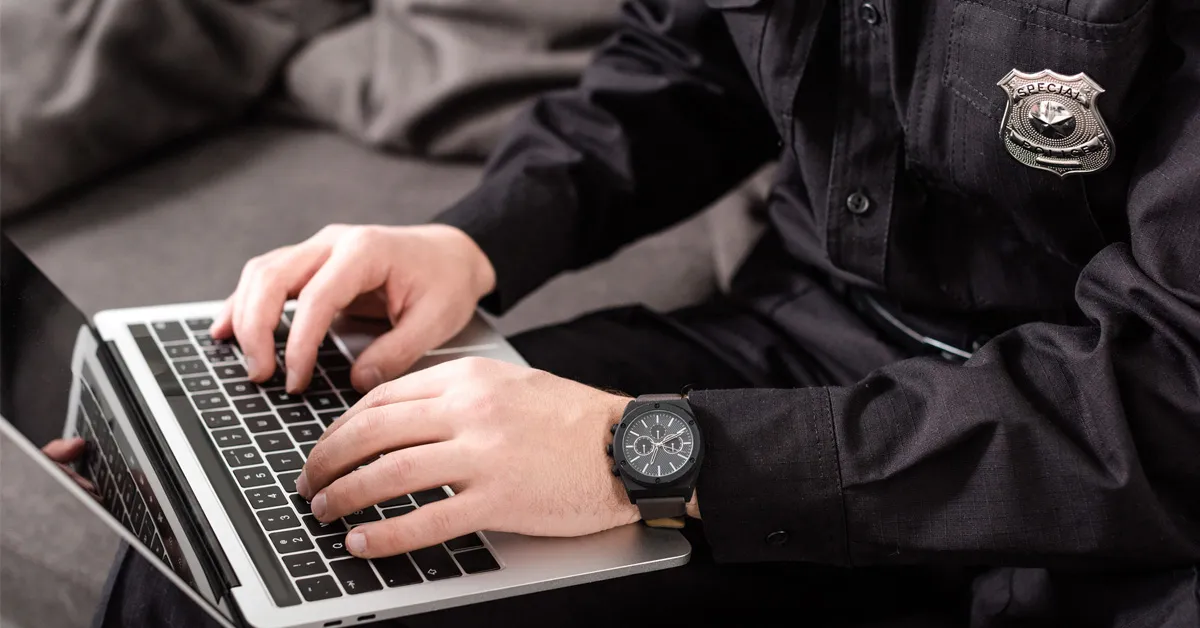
x: 939, y: 198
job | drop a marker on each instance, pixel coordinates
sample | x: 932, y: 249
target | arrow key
x: 435, y: 563
x: 356, y: 575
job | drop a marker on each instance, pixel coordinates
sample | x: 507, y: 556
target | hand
x: 426, y: 280
x: 64, y: 451
x: 523, y: 450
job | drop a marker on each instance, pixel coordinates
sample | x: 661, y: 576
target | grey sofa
x: 179, y: 227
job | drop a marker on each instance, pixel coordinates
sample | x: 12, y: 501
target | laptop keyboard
x: 264, y: 434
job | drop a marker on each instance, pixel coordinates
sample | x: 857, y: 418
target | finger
x: 64, y: 450
x: 370, y: 434
x: 222, y: 326
x: 426, y: 384
x: 424, y: 527
x: 83, y: 482
x: 397, y: 473
x: 420, y: 328
x: 278, y: 277
x: 348, y: 273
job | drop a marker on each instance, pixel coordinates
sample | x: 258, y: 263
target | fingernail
x: 372, y: 377
x: 318, y: 505
x: 251, y: 365
x: 356, y: 542
x: 293, y: 381
x: 302, y: 484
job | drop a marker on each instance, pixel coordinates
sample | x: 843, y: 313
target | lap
x: 635, y: 351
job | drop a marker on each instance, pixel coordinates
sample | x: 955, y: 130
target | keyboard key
x: 403, y: 500
x: 250, y: 405
x: 288, y: 481
x: 365, y: 515
x: 477, y: 561
x: 282, y: 398
x: 332, y: 361
x: 262, y: 423
x: 198, y: 324
x: 466, y: 541
x: 316, y: 528
x: 205, y: 340
x: 266, y: 497
x: 306, y: 449
x: 241, y: 457
x: 180, y: 351
x: 273, y: 442
x: 424, y: 498
x: 218, y: 354
x: 253, y: 476
x: 306, y: 433
x: 210, y: 401
x: 190, y: 367
x: 290, y: 541
x: 278, y: 379
x: 199, y: 383
x: 318, y: 383
x: 219, y: 418
x: 306, y: 564
x: 355, y: 575
x: 323, y: 401
x: 435, y: 563
x: 281, y: 334
x: 230, y: 371
x: 340, y: 378
x: 351, y: 397
x: 335, y: 547
x: 169, y: 331
x: 286, y: 461
x: 241, y: 388
x: 329, y: 417
x: 318, y: 588
x: 232, y: 437
x: 397, y: 571
x: 295, y: 414
x: 398, y: 511
x: 327, y: 345
x: 301, y: 505
x: 278, y: 519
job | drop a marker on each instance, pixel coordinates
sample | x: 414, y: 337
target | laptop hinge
x: 180, y: 494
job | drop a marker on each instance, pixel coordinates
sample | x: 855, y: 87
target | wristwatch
x: 656, y: 451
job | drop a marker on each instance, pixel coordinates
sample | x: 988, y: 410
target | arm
x: 663, y: 122
x: 1053, y: 445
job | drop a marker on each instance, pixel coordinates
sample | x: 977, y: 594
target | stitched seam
x: 1129, y: 25
x: 837, y: 461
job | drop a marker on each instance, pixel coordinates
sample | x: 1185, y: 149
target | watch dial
x: 658, y: 443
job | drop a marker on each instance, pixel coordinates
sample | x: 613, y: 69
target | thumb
x: 419, y: 329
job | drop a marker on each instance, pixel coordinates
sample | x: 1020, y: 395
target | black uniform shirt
x: 1072, y: 436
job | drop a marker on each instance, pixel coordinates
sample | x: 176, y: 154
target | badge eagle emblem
x: 1051, y: 122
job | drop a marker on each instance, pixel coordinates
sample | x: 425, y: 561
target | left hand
x: 523, y: 450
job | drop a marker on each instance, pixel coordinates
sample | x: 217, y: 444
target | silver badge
x: 1051, y: 122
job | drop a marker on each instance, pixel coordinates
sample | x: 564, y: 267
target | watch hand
x: 654, y: 454
x: 672, y: 436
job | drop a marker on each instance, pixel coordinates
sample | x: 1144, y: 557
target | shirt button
x: 869, y: 13
x: 777, y: 538
x: 858, y: 203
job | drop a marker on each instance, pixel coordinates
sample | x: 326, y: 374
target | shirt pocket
x: 986, y: 40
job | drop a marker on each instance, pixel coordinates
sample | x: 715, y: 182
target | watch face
x: 658, y: 443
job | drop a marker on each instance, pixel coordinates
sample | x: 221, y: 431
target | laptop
x: 195, y: 465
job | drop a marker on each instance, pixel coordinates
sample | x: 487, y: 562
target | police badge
x: 1051, y: 122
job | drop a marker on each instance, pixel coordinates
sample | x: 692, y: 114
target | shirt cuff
x: 769, y: 486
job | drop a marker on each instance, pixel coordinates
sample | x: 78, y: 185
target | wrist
x: 482, y: 272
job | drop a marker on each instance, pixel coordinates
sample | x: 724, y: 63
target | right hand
x: 426, y: 280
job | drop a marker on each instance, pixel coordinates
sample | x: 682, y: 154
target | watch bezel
x: 635, y: 411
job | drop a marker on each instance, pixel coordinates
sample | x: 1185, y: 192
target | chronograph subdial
x: 643, y: 446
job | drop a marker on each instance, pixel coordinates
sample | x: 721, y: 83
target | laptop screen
x: 54, y: 383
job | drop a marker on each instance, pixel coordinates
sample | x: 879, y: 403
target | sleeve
x: 663, y: 121
x: 1052, y: 446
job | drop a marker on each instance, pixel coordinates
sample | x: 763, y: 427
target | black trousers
x: 637, y: 351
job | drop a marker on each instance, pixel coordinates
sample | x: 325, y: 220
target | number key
x: 278, y: 519
x: 290, y: 541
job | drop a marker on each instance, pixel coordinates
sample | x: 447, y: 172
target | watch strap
x: 659, y: 397
x: 653, y: 508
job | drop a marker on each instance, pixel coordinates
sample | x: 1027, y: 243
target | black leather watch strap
x: 661, y: 507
